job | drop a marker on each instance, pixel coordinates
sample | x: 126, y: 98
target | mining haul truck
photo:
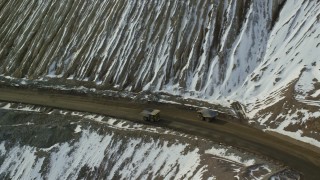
x: 152, y: 115
x: 207, y: 114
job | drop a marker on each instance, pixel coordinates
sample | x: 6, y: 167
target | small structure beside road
x: 152, y: 115
x: 207, y: 114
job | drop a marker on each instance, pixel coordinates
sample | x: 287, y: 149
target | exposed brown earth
x: 177, y: 117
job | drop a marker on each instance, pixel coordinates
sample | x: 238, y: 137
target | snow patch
x: 223, y: 153
x: 316, y: 94
x: 78, y: 129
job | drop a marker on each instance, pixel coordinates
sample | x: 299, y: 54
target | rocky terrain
x: 254, y: 56
x: 260, y: 54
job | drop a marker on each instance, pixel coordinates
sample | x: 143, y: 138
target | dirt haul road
x: 300, y: 157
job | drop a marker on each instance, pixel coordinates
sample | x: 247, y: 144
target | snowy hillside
x: 42, y: 143
x: 263, y: 54
x: 286, y: 84
x: 176, y: 46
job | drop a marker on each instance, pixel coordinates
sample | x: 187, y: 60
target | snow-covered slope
x: 175, y: 46
x: 285, y: 86
x: 263, y: 54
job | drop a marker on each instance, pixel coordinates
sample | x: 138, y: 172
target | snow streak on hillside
x: 54, y: 144
x: 263, y: 54
x: 137, y: 45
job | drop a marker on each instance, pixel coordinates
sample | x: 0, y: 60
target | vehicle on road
x: 207, y: 114
x: 152, y: 115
